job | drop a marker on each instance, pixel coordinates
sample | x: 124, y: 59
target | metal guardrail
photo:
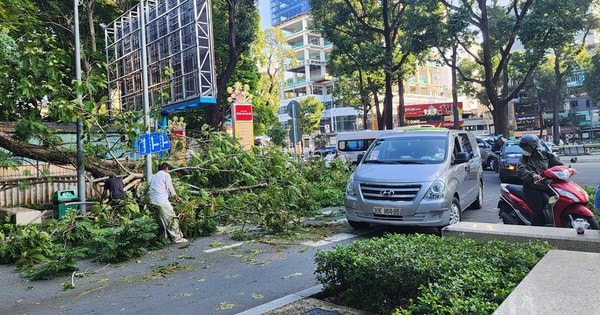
x: 574, y: 149
x: 579, y: 149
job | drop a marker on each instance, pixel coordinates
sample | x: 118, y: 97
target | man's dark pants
x: 536, y: 199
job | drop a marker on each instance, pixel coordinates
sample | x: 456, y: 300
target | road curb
x: 283, y: 301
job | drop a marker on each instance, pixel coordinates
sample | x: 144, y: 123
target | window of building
x: 574, y: 104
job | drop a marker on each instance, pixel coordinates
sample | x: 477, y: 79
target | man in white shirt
x: 161, y: 188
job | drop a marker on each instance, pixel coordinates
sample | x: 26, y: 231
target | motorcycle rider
x: 531, y: 164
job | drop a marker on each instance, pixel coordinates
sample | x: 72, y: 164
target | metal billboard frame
x: 178, y: 37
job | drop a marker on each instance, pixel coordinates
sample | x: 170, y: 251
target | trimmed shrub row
x: 425, y: 274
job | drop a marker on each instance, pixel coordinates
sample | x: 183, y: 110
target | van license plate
x: 387, y: 211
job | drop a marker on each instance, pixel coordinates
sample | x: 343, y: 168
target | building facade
x: 430, y: 83
x: 309, y: 77
x: 282, y: 10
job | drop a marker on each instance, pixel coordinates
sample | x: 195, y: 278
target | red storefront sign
x: 448, y: 124
x: 242, y: 112
x: 434, y: 109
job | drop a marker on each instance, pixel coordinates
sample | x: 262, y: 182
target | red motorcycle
x: 568, y: 203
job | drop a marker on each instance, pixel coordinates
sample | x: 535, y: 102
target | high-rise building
x: 282, y: 10
x: 309, y: 77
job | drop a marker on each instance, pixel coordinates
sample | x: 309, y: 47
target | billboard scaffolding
x: 178, y: 39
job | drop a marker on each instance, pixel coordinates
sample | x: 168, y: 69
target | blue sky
x: 265, y: 14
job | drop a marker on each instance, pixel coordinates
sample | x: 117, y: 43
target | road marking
x: 332, y: 239
x: 223, y: 247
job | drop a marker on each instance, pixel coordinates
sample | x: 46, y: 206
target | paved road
x: 205, y: 280
x: 199, y: 278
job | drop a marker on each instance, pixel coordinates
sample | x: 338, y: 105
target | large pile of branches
x: 222, y: 183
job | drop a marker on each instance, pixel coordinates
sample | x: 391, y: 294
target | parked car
x: 509, y: 159
x: 510, y: 153
x: 324, y: 152
x: 489, y: 159
x: 416, y: 178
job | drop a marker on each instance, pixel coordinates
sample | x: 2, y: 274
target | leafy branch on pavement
x: 222, y: 184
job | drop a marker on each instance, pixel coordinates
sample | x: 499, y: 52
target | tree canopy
x: 382, y: 36
x: 37, y: 80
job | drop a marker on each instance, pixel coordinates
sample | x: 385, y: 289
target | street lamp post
x: 80, y: 164
x: 145, y: 93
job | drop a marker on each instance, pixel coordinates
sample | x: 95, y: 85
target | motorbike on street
x: 567, y: 204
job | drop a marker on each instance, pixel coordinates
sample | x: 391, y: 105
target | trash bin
x: 59, y: 200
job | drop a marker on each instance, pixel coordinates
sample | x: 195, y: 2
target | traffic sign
x: 153, y: 142
x: 293, y: 109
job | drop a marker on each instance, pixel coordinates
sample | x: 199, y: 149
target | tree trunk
x: 388, y: 120
x: 556, y: 104
x: 216, y: 112
x: 377, y: 107
x: 454, y: 94
x: 401, y: 108
x: 55, y: 156
x: 364, y: 99
x: 89, y: 8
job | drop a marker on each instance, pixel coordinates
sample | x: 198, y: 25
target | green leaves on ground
x: 53, y: 248
x: 264, y: 187
x: 223, y: 184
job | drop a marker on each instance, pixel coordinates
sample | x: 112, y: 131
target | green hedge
x: 425, y: 274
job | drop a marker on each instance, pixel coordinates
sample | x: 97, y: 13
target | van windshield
x: 408, y: 150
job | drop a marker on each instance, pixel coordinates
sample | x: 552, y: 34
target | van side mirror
x: 461, y: 157
x: 359, y: 158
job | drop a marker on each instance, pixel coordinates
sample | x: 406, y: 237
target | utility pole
x: 80, y: 164
x: 146, y: 100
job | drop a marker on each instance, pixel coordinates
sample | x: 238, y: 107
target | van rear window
x: 354, y: 145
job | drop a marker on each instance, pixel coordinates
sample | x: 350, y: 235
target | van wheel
x: 454, y: 212
x: 478, y: 203
x: 358, y: 225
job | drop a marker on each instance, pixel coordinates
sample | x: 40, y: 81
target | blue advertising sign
x: 153, y: 142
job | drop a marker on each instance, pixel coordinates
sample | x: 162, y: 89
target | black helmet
x: 529, y: 142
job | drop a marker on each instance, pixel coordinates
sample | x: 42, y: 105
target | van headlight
x: 436, y: 190
x: 350, y: 190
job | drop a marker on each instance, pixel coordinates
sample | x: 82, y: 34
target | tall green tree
x: 311, y: 111
x: 349, y: 64
x: 558, y: 34
x: 234, y: 33
x: 503, y: 68
x: 498, y: 27
x: 33, y: 71
x: 456, y: 29
x: 396, y: 31
x: 592, y: 78
x: 273, y: 54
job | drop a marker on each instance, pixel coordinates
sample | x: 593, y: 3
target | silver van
x: 416, y: 178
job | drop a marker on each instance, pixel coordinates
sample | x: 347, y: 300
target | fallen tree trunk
x: 97, y: 168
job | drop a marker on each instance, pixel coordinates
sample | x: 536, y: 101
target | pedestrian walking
x: 161, y: 189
